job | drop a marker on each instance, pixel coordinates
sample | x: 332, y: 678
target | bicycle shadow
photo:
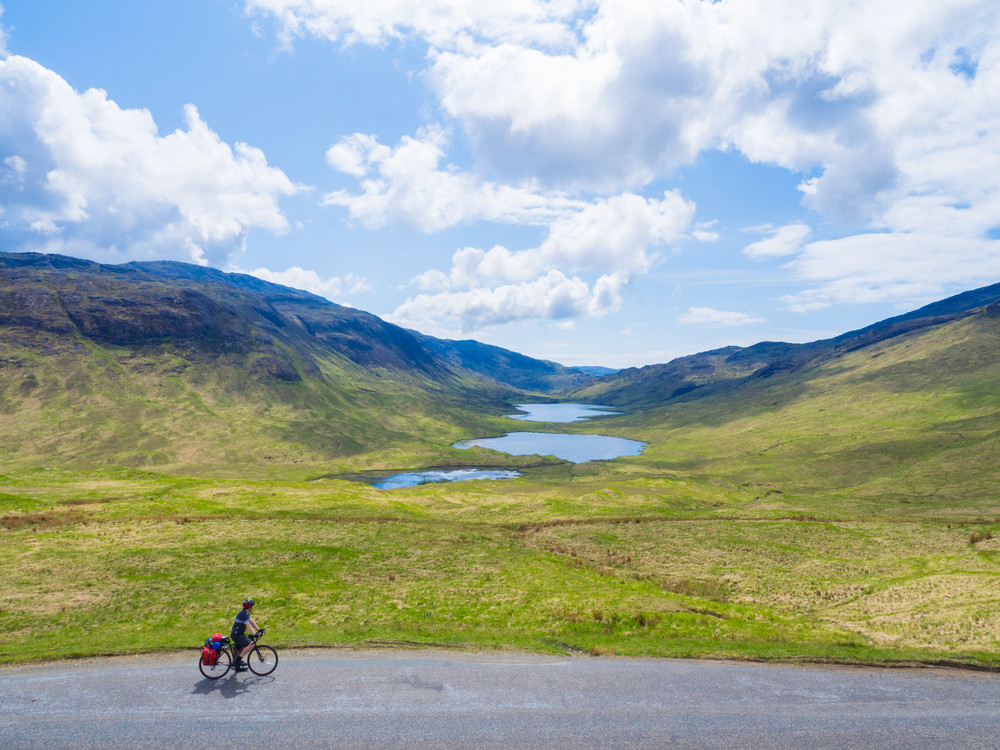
x: 230, y: 686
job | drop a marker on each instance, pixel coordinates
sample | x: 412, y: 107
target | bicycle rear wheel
x: 221, y: 666
x: 262, y: 660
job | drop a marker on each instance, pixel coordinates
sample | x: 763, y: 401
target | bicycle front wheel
x: 262, y: 660
x: 219, y: 668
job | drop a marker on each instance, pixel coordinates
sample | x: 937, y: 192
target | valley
x: 833, y: 502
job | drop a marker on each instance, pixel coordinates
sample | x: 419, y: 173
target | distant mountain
x: 162, y: 363
x: 505, y: 366
x: 700, y: 375
x: 595, y: 370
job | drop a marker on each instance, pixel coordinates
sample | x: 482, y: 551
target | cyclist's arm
x: 251, y: 623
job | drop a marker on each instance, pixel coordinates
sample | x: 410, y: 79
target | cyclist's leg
x: 241, y: 645
x: 250, y: 643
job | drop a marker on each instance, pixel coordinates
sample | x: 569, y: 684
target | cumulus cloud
x: 333, y: 288
x: 86, y: 177
x: 553, y: 296
x: 705, y: 235
x: 611, y: 238
x: 405, y: 185
x: 799, y: 85
x: 647, y: 88
x: 612, y: 235
x: 617, y: 232
x: 706, y: 316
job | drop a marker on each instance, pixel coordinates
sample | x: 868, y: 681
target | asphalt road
x: 343, y: 699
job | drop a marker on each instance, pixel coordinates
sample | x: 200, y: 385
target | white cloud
x: 14, y: 173
x: 440, y: 22
x: 85, y: 177
x: 616, y: 233
x: 553, y: 296
x: 890, y: 117
x: 334, y: 288
x: 404, y: 185
x: 706, y: 316
x: 616, y: 97
x: 432, y: 280
x: 786, y: 240
x: 611, y: 238
x: 649, y: 86
x: 356, y: 154
x: 891, y: 267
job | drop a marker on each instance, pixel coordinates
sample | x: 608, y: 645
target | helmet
x: 247, y: 603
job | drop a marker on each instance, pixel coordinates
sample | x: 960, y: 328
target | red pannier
x: 210, y: 651
x: 209, y: 656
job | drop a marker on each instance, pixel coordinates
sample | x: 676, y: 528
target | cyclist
x: 241, y: 643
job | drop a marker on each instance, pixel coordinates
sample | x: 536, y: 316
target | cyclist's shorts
x: 241, y: 641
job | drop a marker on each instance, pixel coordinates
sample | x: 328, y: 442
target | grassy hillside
x: 183, y: 368
x: 81, y: 405
x: 897, y: 427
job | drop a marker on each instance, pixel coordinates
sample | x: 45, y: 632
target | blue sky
x: 607, y: 183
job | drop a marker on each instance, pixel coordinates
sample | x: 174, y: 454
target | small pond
x: 574, y: 448
x: 567, y: 412
x: 413, y: 478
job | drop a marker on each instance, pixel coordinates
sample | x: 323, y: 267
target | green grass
x: 126, y: 561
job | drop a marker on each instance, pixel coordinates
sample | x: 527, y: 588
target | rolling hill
x: 166, y: 364
x: 902, y: 417
x: 721, y: 370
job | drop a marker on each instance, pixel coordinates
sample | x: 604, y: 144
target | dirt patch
x: 41, y: 519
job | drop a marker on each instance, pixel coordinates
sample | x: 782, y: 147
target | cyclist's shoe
x: 240, y: 666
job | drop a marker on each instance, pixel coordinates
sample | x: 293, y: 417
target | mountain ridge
x: 282, y: 328
x: 145, y: 303
x: 699, y: 375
